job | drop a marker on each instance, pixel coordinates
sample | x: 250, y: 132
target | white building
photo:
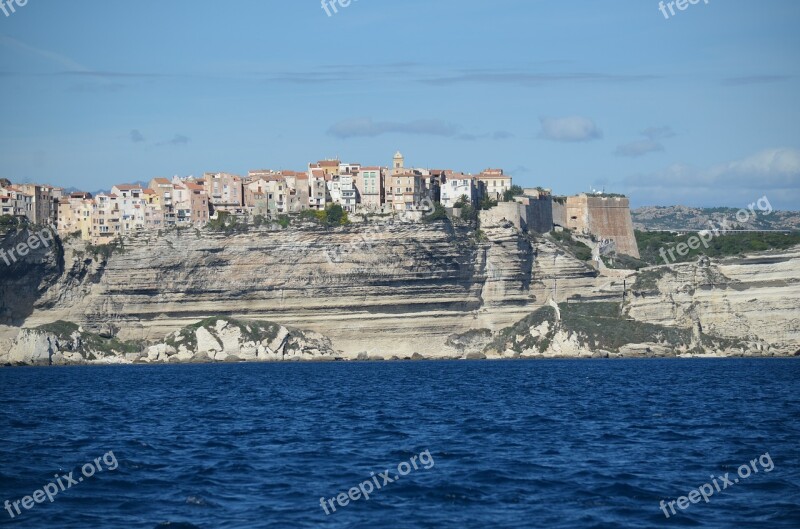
x: 456, y: 186
x: 131, y: 203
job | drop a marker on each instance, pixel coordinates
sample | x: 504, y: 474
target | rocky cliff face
x: 211, y: 340
x: 755, y: 299
x: 386, y: 288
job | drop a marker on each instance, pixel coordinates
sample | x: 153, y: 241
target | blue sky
x: 698, y: 109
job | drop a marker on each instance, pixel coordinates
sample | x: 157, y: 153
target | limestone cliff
x: 215, y: 339
x: 385, y: 288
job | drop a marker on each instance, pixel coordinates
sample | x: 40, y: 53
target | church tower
x: 399, y: 163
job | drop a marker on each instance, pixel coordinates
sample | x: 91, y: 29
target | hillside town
x: 165, y: 203
x: 191, y: 201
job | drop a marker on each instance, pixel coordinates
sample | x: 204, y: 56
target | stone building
x: 606, y: 217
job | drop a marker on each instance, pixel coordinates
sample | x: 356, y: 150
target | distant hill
x: 68, y: 190
x: 686, y: 218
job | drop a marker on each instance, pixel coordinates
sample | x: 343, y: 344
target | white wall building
x: 456, y: 186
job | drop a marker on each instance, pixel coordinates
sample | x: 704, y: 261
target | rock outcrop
x: 388, y: 289
x: 211, y: 340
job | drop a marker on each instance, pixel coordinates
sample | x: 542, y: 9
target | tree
x: 336, y: 215
x: 512, y: 192
x: 462, y: 202
x: 438, y: 213
x: 487, y: 203
x: 469, y: 213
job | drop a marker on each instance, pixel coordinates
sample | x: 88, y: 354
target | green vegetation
x: 336, y: 216
x: 89, y: 344
x: 597, y: 325
x: 651, y: 243
x: 438, y: 213
x: 567, y: 241
x: 461, y: 341
x: 333, y: 215
x: 284, y: 221
x: 647, y: 280
x: 227, y: 223
x: 252, y: 331
x: 601, y: 326
x: 518, y: 337
x: 62, y: 329
x: 105, y: 250
x: 487, y: 203
x: 513, y: 191
x: 468, y: 211
x: 623, y: 262
x: 8, y: 221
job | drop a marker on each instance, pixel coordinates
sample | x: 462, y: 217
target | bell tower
x: 398, y: 163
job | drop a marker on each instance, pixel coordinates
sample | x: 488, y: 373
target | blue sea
x: 564, y: 444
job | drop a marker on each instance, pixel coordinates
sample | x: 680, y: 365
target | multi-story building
x: 224, y: 191
x: 41, y: 202
x: 404, y: 191
x: 191, y: 203
x: 153, y: 210
x: 14, y: 202
x: 105, y: 219
x: 74, y: 214
x: 458, y: 185
x: 349, y: 168
x: 369, y: 185
x: 297, y: 183
x: 268, y: 196
x: 318, y: 196
x: 328, y: 167
x: 349, y: 197
x: 130, y: 200
x: 165, y: 191
x: 494, y: 183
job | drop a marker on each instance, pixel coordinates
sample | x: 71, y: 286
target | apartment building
x: 494, y: 183
x: 369, y: 186
x: 458, y: 185
x: 224, y: 191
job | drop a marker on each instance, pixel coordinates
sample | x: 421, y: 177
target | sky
x: 699, y: 108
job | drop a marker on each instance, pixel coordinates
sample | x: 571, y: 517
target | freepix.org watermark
x: 381, y: 480
x: 704, y: 237
x: 330, y: 5
x: 9, y: 7
x: 682, y: 5
x: 721, y: 483
x: 61, y: 484
x: 40, y: 238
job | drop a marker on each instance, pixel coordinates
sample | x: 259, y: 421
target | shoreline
x: 409, y: 360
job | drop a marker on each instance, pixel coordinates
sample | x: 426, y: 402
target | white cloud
x: 635, y: 149
x: 652, y: 142
x: 367, y: 128
x: 772, y: 172
x: 569, y: 129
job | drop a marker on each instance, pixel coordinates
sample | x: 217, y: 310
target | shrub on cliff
x: 225, y: 222
x: 519, y: 338
x: 514, y: 191
x: 438, y: 213
x: 567, y: 241
x: 336, y: 216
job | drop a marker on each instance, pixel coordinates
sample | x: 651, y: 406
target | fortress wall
x: 559, y: 213
x: 539, y: 214
x: 610, y: 218
x: 505, y: 211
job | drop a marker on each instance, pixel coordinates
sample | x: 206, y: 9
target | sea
x: 463, y: 444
